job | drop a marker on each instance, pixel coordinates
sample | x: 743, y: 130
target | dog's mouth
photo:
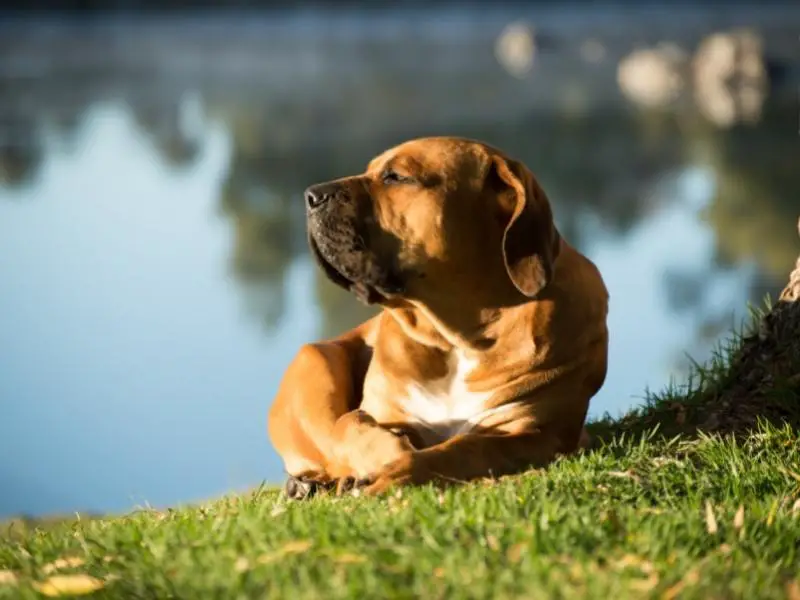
x: 332, y: 272
x: 367, y: 292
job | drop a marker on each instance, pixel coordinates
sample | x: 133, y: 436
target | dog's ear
x: 530, y: 241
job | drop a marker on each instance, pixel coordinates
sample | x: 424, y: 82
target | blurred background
x: 154, y: 275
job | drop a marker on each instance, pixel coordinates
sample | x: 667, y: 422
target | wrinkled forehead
x: 451, y: 157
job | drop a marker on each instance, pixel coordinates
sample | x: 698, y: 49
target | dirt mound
x: 764, y: 377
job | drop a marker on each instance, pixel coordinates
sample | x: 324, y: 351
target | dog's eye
x: 390, y: 177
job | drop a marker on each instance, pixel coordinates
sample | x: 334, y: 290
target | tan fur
x: 484, y: 363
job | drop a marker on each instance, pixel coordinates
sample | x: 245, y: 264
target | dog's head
x: 432, y: 219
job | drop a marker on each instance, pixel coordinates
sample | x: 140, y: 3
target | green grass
x: 642, y: 515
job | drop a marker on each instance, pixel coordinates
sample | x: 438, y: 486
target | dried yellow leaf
x: 241, y: 565
x: 633, y: 561
x: 645, y: 585
x: 265, y: 559
x: 672, y: 591
x: 792, y: 590
x: 738, y: 518
x: 492, y: 542
x: 690, y: 578
x: 772, y: 512
x: 625, y: 475
x: 790, y: 473
x: 69, y: 585
x: 653, y: 511
x: 349, y: 559
x: 576, y: 571
x: 295, y: 547
x: 711, y: 520
x: 514, y: 553
x: 8, y: 577
x: 69, y: 562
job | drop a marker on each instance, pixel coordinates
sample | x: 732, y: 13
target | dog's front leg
x: 315, y: 423
x: 468, y: 457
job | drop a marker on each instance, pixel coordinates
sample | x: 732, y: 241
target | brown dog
x: 491, y: 342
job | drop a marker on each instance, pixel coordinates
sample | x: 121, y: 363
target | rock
x: 653, y: 77
x: 730, y: 77
x: 515, y: 48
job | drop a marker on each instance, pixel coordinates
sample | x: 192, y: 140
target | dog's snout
x: 318, y: 195
x: 315, y: 198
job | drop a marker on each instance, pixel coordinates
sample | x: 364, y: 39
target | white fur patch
x: 446, y: 406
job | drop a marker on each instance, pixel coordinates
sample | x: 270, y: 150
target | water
x: 153, y: 269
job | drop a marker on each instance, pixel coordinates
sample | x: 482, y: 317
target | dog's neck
x: 463, y: 332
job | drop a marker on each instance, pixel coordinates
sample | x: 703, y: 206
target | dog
x: 491, y: 341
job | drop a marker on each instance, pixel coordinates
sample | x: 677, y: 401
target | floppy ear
x: 530, y: 242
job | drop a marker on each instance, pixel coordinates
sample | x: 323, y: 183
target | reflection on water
x: 153, y: 266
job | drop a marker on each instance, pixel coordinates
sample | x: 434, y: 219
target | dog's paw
x: 351, y: 486
x: 408, y: 470
x: 298, y: 489
x: 302, y: 488
x: 365, y: 447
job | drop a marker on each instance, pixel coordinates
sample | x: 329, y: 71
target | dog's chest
x: 438, y: 408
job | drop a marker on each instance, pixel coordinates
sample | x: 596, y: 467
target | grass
x: 644, y: 514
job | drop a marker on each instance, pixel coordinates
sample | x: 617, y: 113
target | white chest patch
x: 446, y: 406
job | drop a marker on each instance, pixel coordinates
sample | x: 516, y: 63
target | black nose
x: 317, y: 195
